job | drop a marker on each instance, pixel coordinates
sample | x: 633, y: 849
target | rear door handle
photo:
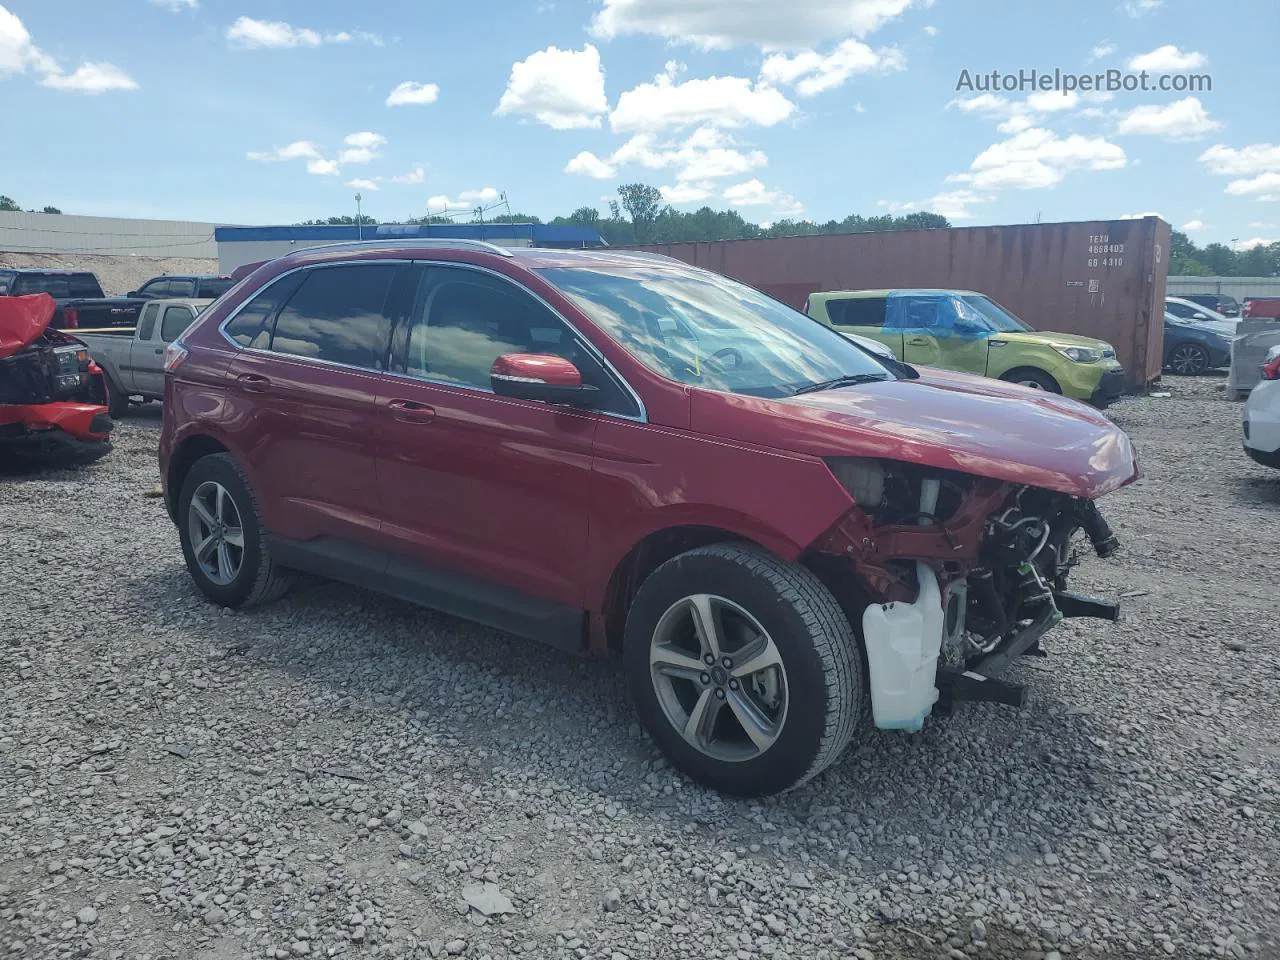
x: 253, y: 383
x: 411, y: 411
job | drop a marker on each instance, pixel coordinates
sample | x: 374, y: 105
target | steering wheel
x: 721, y: 357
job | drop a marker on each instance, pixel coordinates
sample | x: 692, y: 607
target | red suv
x: 788, y: 538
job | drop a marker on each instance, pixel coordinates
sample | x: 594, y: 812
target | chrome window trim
x: 590, y: 347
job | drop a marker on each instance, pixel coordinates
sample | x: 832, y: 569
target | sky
x: 275, y: 111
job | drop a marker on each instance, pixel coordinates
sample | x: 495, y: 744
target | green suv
x: 969, y: 332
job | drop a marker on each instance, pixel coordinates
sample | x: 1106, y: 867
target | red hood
x: 23, y: 320
x: 948, y: 420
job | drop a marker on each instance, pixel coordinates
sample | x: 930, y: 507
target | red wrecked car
x: 52, y: 395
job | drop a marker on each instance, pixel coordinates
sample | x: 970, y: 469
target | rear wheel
x: 1188, y: 359
x: 743, y: 669
x: 222, y: 535
x: 1033, y: 378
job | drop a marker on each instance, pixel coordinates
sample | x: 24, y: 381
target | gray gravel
x: 340, y: 775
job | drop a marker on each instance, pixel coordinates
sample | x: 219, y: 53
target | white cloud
x: 18, y: 53
x: 931, y: 30
x: 714, y: 24
x: 563, y: 89
x: 1102, y: 50
x: 1261, y: 225
x: 176, y: 6
x: 1184, y: 119
x: 1018, y: 115
x: 1038, y: 158
x: 685, y: 193
x: 1242, y: 245
x: 412, y: 92
x: 322, y: 167
x: 1255, y: 158
x: 362, y: 184
x: 1139, y: 216
x: 1193, y: 225
x: 753, y: 193
x: 270, y: 34
x: 466, y: 200
x: 812, y: 73
x: 1052, y: 101
x: 92, y: 78
x: 361, y: 147
x: 717, y: 101
x: 1138, y: 8
x: 416, y: 175
x: 1264, y: 187
x: 297, y: 150
x: 952, y: 204
x: 1167, y: 58
x: 588, y: 164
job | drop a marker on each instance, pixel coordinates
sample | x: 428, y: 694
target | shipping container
x: 1103, y: 279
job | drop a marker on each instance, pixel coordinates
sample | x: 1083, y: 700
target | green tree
x: 8, y: 205
x: 643, y: 203
x: 50, y: 210
x: 513, y: 218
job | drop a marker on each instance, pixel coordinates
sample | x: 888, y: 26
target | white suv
x: 1262, y: 414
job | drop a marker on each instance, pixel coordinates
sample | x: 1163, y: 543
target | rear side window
x: 156, y: 289
x: 338, y: 315
x: 5, y: 280
x: 857, y: 312
x: 251, y: 327
x: 147, y: 323
x: 182, y: 288
x: 214, y: 288
x: 176, y: 319
x: 84, y: 285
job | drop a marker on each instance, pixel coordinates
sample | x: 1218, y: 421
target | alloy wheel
x: 1188, y: 360
x: 719, y: 678
x: 216, y: 533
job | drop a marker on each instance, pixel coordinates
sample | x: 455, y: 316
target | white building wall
x: 1238, y: 287
x: 66, y: 233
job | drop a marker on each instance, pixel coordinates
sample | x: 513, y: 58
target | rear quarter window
x: 251, y: 327
x: 857, y: 312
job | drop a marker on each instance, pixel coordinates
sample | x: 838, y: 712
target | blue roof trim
x: 535, y: 232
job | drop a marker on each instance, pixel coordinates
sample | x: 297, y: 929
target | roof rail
x: 648, y: 255
x: 443, y: 243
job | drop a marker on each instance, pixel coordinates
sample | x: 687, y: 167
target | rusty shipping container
x: 1102, y: 278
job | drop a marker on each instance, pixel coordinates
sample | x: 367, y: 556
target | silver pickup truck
x: 133, y: 359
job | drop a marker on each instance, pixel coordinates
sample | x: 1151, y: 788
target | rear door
x: 133, y: 363
x: 303, y: 395
x: 864, y: 316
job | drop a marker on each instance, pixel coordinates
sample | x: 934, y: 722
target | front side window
x: 705, y: 330
x: 56, y: 287
x: 338, y: 315
x: 462, y: 320
x: 84, y: 285
x: 215, y: 287
x: 176, y: 319
x: 156, y: 289
x: 995, y: 316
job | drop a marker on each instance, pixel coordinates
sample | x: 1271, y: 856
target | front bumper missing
x: 1109, y: 388
x: 979, y: 683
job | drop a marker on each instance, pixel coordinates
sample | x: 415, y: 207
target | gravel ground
x: 341, y: 775
x: 117, y: 274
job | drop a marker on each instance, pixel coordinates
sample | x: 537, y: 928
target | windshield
x: 994, y: 315
x: 705, y: 330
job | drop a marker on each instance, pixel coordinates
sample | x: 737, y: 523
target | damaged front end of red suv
x: 53, y: 398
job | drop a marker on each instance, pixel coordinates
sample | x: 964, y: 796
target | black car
x: 1193, y: 346
x: 79, y: 297
x: 189, y: 285
x: 1227, y: 306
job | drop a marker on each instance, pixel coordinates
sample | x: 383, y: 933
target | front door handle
x: 253, y: 383
x: 411, y: 411
x: 918, y: 342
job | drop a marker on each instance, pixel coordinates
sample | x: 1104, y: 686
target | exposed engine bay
x: 964, y: 573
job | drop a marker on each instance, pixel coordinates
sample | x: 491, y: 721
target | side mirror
x: 131, y: 293
x: 541, y: 376
x: 967, y: 328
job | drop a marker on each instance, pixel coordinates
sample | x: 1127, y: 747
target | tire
x: 1187, y: 359
x: 255, y: 578
x: 1033, y: 378
x: 813, y: 697
x: 117, y: 399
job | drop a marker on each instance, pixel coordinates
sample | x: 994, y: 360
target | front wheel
x: 117, y: 399
x: 743, y: 669
x: 222, y: 535
x: 1033, y: 378
x: 1188, y: 360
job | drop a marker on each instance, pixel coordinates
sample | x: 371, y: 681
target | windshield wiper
x: 849, y: 380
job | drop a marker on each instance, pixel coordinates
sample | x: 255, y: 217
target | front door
x: 308, y: 387
x: 932, y: 337
x: 486, y: 486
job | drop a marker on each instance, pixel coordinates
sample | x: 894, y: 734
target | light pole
x: 359, y: 219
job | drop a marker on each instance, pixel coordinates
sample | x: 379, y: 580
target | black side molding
x: 513, y: 611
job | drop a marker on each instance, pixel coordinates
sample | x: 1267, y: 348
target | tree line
x: 8, y: 205
x: 1218, y: 260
